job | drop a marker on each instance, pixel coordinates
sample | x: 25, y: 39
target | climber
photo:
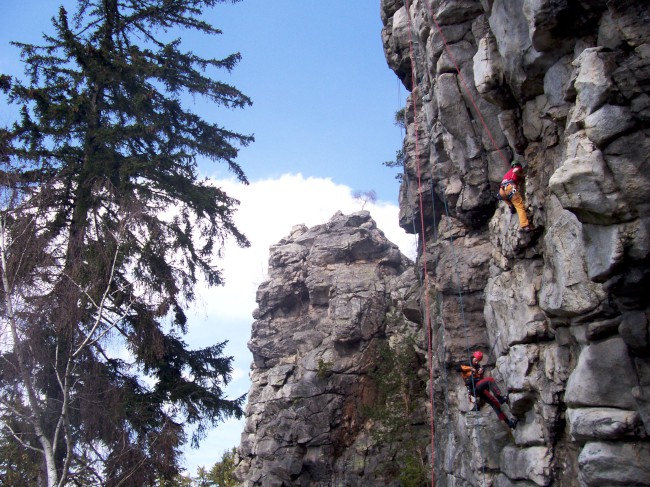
x: 509, y: 192
x: 484, y: 387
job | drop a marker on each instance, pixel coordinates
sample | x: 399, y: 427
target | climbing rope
x: 491, y: 137
x: 424, y: 242
x: 442, y: 327
x: 437, y: 261
x: 465, y: 327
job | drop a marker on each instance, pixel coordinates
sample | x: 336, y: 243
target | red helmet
x: 478, y: 355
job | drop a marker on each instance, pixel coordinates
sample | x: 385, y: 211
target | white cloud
x: 268, y: 210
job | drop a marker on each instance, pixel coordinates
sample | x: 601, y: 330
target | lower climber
x: 510, y: 192
x: 484, y: 387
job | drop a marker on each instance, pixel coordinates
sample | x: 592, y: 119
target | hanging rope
x: 442, y: 334
x: 424, y: 242
x: 491, y: 137
x: 426, y: 287
x: 465, y: 327
x: 442, y: 327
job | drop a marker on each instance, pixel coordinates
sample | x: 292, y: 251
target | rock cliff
x: 337, y: 298
x: 562, y: 314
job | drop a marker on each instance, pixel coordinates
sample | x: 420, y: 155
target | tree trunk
x: 35, y: 412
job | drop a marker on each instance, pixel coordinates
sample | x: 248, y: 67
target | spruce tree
x: 106, y: 228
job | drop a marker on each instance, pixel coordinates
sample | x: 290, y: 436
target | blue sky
x: 323, y: 117
x: 324, y: 98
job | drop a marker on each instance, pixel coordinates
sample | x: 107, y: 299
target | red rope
x: 424, y: 246
x: 462, y: 80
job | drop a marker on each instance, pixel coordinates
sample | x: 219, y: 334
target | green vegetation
x: 324, y: 369
x: 395, y: 415
x: 221, y: 473
x: 19, y: 467
x: 400, y: 118
x: 400, y: 121
x: 398, y: 162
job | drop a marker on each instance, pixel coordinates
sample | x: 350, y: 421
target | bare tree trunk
x: 35, y: 412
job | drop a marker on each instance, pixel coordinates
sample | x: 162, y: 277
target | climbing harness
x: 508, y: 190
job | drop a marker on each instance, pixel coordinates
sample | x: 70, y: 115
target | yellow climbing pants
x: 515, y: 200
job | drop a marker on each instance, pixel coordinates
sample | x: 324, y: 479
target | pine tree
x: 221, y: 473
x: 106, y: 228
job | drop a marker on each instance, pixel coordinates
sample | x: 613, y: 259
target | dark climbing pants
x: 488, y: 389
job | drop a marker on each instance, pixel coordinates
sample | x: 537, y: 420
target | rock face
x: 338, y: 298
x: 561, y: 314
x: 563, y: 86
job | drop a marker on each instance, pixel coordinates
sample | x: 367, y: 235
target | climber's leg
x: 492, y: 401
x: 488, y: 383
x: 518, y: 203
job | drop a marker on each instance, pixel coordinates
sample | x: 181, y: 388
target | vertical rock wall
x: 563, y: 314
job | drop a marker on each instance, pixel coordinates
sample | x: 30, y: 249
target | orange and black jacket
x: 469, y: 372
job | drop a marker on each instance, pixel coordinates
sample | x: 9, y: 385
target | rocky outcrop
x: 563, y: 314
x: 339, y: 297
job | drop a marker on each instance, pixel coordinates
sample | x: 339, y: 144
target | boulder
x: 608, y: 122
x: 593, y: 83
x: 566, y: 289
x: 607, y: 463
x: 585, y: 186
x: 511, y: 306
x: 532, y: 464
x: 603, y: 377
x: 588, y: 424
x: 628, y: 159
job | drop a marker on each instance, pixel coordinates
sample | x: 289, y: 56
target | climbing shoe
x: 512, y: 423
x: 527, y: 229
x: 503, y: 399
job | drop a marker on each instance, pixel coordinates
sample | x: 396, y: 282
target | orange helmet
x: 478, y: 355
